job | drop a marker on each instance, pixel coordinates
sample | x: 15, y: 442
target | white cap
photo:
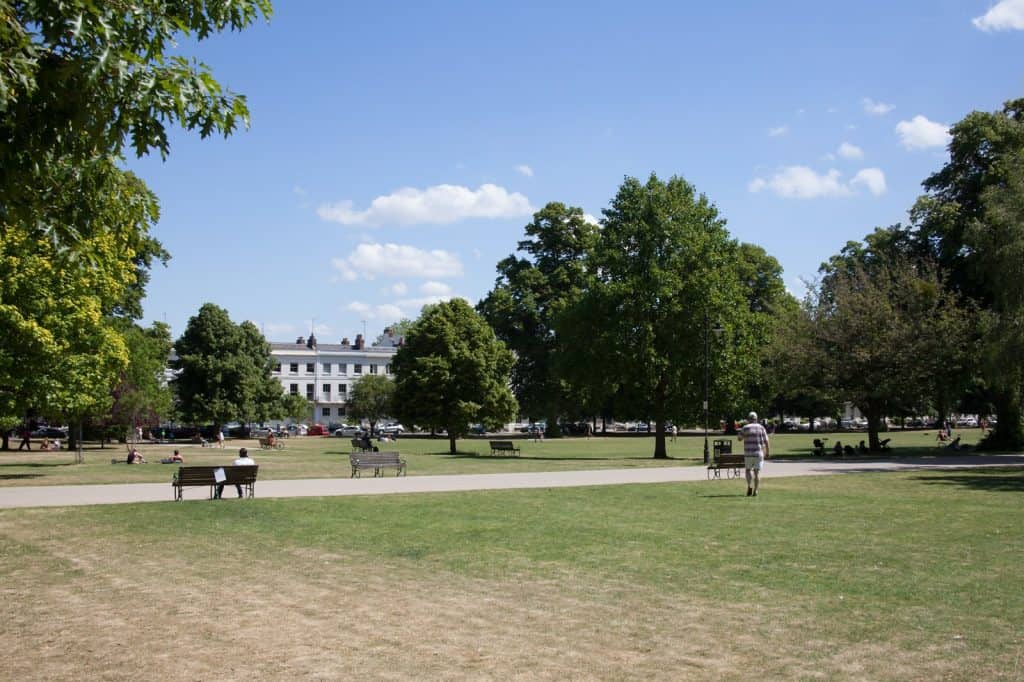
x: 752, y: 417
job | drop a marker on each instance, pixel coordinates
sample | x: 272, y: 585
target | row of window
x: 325, y: 388
x: 326, y: 368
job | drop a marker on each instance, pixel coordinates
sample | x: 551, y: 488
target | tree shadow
x: 535, y: 458
x: 991, y: 480
x: 36, y: 464
x: 17, y: 477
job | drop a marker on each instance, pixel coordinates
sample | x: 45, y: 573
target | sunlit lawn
x: 314, y: 457
x: 853, y: 576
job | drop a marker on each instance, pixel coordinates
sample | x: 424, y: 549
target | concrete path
x: 75, y: 495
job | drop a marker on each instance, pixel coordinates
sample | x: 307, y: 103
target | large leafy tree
x: 664, y: 269
x: 453, y: 371
x: 371, y: 399
x: 80, y: 81
x: 960, y: 221
x: 529, y: 295
x: 142, y: 394
x: 224, y: 371
x: 886, y: 333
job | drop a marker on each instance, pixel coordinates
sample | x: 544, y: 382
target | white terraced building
x: 325, y: 372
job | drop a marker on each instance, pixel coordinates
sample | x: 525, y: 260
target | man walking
x: 755, y: 449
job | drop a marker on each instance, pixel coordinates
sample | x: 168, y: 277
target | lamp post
x: 707, y: 375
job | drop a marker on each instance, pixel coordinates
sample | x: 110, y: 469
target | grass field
x: 328, y: 457
x: 858, y: 576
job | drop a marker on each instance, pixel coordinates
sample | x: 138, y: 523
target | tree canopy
x: 371, y: 399
x: 528, y: 297
x: 452, y: 371
x: 224, y: 371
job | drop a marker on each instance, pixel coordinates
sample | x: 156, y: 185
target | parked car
x: 391, y: 429
x: 50, y: 432
x: 298, y: 429
x: 348, y: 431
x: 317, y: 430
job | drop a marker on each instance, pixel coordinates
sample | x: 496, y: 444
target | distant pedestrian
x: 26, y: 439
x: 755, y: 449
x: 675, y: 431
x: 220, y: 439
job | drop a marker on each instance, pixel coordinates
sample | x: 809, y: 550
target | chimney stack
x: 345, y: 341
x: 359, y: 342
x: 300, y: 340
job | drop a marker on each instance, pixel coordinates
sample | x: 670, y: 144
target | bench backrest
x: 501, y: 445
x: 376, y: 458
x: 203, y: 475
x: 723, y: 447
x: 729, y: 459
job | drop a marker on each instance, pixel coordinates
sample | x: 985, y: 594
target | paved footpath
x: 119, y: 493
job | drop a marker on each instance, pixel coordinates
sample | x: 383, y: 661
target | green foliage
x: 371, y: 399
x: 80, y: 80
x: 529, y: 295
x: 142, y: 395
x: 225, y: 371
x: 294, y: 407
x: 452, y: 371
x: 664, y: 268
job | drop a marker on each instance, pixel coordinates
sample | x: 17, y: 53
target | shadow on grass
x: 484, y: 457
x: 17, y: 477
x: 994, y: 480
x: 36, y: 464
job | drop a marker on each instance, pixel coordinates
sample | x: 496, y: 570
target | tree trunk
x: 552, y: 430
x: 660, y: 451
x: 73, y: 436
x: 451, y: 442
x: 874, y: 419
x: 7, y: 441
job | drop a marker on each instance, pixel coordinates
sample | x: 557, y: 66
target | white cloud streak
x: 523, y: 169
x: 440, y: 204
x: 920, y: 133
x: 1007, y: 15
x: 435, y: 289
x: 801, y: 182
x: 850, y: 151
x: 876, y: 108
x: 396, y: 261
x: 776, y: 132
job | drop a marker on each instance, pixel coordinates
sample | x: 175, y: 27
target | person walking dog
x: 755, y: 449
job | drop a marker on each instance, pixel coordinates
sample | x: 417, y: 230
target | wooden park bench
x: 204, y: 475
x: 724, y: 459
x: 267, y: 444
x: 504, y: 446
x: 378, y: 461
x: 359, y: 446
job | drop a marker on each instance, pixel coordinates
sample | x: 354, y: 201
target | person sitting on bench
x: 243, y: 460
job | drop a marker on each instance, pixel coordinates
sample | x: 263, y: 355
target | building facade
x: 324, y: 373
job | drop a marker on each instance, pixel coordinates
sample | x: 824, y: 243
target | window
x: 387, y: 369
x: 310, y: 367
x: 342, y: 388
x: 342, y: 368
x: 309, y: 391
x: 294, y: 389
x: 327, y: 391
x: 358, y: 369
x: 373, y: 369
x: 293, y: 368
x: 277, y: 367
x: 325, y: 367
x: 326, y: 412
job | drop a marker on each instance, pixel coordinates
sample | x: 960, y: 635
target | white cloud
x: 525, y: 170
x: 357, y: 307
x: 920, y: 133
x: 399, y: 289
x: 415, y: 304
x: 385, y: 311
x: 370, y: 261
x: 850, y: 151
x: 876, y: 108
x: 435, y: 289
x: 440, y: 204
x: 775, y: 132
x: 801, y: 182
x: 1007, y: 15
x: 871, y: 178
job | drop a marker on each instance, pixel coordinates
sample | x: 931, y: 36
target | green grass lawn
x: 866, y: 576
x: 328, y: 457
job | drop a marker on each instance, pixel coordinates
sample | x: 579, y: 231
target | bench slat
x: 376, y: 461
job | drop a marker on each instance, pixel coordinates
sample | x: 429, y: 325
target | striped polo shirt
x: 755, y: 440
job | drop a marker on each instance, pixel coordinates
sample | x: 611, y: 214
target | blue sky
x: 398, y: 149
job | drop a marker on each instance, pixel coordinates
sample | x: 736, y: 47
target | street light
x: 707, y: 374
